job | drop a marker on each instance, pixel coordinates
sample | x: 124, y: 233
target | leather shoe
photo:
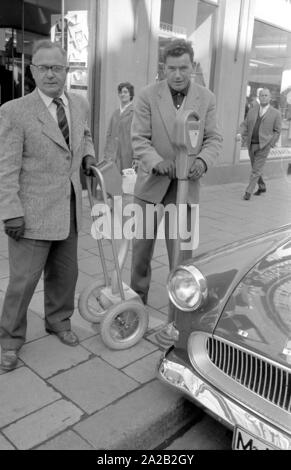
x: 259, y: 191
x: 9, y: 359
x: 67, y: 337
x: 247, y: 196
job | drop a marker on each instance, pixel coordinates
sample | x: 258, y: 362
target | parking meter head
x: 186, y: 141
x: 186, y: 132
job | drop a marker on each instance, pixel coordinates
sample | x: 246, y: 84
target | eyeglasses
x: 53, y: 68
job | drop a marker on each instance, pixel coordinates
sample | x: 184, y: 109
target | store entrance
x: 21, y: 23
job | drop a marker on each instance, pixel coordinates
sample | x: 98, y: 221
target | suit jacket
x: 152, y: 134
x: 118, y: 140
x: 37, y: 168
x: 269, y: 130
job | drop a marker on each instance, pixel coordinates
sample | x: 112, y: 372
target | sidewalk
x: 90, y: 397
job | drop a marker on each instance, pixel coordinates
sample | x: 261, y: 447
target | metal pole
x: 63, y: 23
x: 22, y: 55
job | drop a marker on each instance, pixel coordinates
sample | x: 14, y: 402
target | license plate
x: 243, y: 440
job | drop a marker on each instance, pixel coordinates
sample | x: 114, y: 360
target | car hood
x: 257, y: 315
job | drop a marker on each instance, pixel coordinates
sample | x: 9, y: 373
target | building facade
x: 240, y: 46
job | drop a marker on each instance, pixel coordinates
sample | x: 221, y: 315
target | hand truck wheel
x: 124, y: 324
x: 92, y: 304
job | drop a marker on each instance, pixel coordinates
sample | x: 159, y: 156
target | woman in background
x: 118, y: 140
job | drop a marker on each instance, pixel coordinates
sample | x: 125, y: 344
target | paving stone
x: 21, y: 393
x: 156, y: 318
x: 93, y: 385
x: 4, y: 444
x: 4, y: 268
x: 37, y: 303
x: 127, y: 262
x: 119, y: 358
x: 158, y: 296
x: 160, y: 245
x: 42, y: 424
x: 163, y: 260
x: 88, y: 242
x: 67, y: 440
x: 93, y: 266
x: 83, y: 253
x: 139, y: 420
x: 83, y: 281
x: 152, y: 338
x: 39, y: 286
x: 107, y: 248
x: 82, y: 327
x: 48, y: 356
x: 164, y: 310
x: 160, y: 275
x: 19, y: 364
x: 3, y: 284
x: 144, y: 369
x: 126, y: 276
x: 4, y: 247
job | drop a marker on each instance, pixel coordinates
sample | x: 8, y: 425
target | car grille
x: 261, y: 377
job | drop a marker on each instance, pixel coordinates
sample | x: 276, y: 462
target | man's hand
x: 165, y: 168
x: 197, y: 169
x: 14, y: 228
x: 87, y: 162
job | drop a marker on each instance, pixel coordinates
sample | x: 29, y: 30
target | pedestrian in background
x: 260, y: 130
x: 118, y: 146
x: 44, y: 138
x: 152, y: 132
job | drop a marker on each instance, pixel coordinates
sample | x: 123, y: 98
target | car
x: 232, y: 337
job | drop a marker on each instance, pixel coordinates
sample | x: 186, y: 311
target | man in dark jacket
x: 260, y: 130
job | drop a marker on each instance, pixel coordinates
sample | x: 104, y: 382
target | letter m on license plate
x: 243, y: 440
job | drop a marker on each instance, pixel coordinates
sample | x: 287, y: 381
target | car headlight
x: 187, y: 287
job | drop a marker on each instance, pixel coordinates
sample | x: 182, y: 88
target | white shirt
x: 52, y: 107
x: 263, y: 110
x: 124, y: 107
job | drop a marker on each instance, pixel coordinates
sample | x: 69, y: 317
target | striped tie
x: 62, y: 120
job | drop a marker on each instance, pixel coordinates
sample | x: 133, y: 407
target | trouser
x: 258, y: 159
x: 143, y: 248
x: 27, y: 259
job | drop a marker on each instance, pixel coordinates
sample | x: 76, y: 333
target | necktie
x: 62, y: 119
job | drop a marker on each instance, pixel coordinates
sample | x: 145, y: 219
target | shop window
x: 270, y: 67
x: 42, y: 19
x: 193, y: 20
x: 72, y: 32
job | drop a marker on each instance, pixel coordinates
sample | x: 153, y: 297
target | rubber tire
x: 83, y: 307
x: 111, y: 315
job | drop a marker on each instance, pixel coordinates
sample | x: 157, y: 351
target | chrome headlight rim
x: 198, y: 278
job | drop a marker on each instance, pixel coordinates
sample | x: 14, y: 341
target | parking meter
x: 186, y: 141
x: 187, y: 144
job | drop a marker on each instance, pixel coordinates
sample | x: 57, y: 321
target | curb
x: 142, y: 420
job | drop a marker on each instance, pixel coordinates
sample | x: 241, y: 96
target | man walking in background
x: 152, y: 133
x: 44, y: 138
x: 260, y: 130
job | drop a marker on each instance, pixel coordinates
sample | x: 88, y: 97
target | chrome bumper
x: 183, y: 378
